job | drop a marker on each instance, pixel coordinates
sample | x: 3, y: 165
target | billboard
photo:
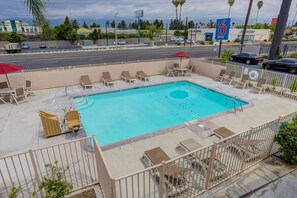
x: 138, y: 13
x: 222, y: 29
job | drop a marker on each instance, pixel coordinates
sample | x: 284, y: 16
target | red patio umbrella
x: 181, y: 55
x: 8, y: 68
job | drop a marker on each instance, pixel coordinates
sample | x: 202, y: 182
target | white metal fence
x: 203, y: 168
x: 27, y: 169
x: 282, y: 82
x: 198, y: 171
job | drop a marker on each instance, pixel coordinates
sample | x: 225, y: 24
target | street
x: 74, y: 58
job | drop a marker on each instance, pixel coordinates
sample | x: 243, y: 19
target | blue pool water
x: 121, y: 115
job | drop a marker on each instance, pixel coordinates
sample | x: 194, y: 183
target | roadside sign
x: 273, y: 21
x: 222, y: 29
x: 138, y: 13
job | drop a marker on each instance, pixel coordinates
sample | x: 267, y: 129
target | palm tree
x: 231, y: 3
x: 176, y: 4
x: 181, y: 3
x: 260, y: 5
x: 37, y: 9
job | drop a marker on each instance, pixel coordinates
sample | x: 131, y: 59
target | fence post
x: 162, y: 180
x: 209, y: 171
x: 284, y: 82
x: 35, y: 170
x: 275, y: 132
x: 244, y: 156
x: 113, y: 189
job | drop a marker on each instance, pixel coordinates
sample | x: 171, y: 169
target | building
x: 207, y: 34
x: 19, y: 27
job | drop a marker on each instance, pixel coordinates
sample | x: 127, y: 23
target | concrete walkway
x: 272, y: 178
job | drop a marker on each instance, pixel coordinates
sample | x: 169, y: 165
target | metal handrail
x: 234, y: 104
x: 81, y: 95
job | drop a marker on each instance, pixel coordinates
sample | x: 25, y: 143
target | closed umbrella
x: 181, y: 55
x: 8, y: 68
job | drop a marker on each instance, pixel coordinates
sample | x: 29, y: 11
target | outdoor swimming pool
x: 120, y: 115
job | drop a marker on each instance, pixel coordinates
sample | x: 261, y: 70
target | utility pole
x: 186, y: 31
x: 115, y: 28
x: 106, y: 24
x: 196, y: 32
x: 166, y: 33
x: 280, y: 29
x: 245, y: 25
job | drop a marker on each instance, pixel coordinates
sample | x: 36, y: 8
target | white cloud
x: 162, y: 9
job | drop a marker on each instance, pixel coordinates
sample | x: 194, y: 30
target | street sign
x: 274, y: 21
x: 138, y: 13
x: 222, y: 29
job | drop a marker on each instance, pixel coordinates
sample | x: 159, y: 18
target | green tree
x: 95, y: 25
x: 95, y: 35
x: 176, y: 4
x: 177, y: 33
x: 37, y: 9
x: 152, y: 31
x: 181, y: 3
x: 65, y: 32
x: 259, y: 5
x: 67, y: 21
x: 122, y: 25
x: 75, y: 24
x: 112, y: 24
x: 14, y: 37
x: 258, y: 26
x: 85, y: 25
x: 231, y: 3
x: 191, y: 24
x: 47, y: 33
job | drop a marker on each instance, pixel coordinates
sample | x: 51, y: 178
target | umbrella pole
x: 8, y: 81
x: 180, y: 62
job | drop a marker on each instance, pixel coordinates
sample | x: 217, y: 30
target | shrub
x: 177, y: 33
x: 287, y: 139
x: 265, y: 40
x: 294, y: 55
x: 14, y: 191
x: 211, y: 43
x: 226, y: 56
x: 202, y: 43
x: 54, y: 186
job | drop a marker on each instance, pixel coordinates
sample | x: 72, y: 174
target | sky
x: 100, y: 10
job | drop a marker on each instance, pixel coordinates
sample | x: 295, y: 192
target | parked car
x: 248, y: 58
x: 189, y: 41
x: 179, y: 42
x: 173, y: 39
x: 42, y: 46
x: 287, y: 64
x: 25, y: 46
x: 121, y: 42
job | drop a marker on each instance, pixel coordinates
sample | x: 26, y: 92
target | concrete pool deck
x: 21, y: 130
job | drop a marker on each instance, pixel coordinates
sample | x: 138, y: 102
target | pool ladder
x: 234, y: 108
x: 75, y: 92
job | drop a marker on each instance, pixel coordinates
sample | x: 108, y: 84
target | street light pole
x: 115, y: 28
x: 245, y: 25
x: 166, y: 33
